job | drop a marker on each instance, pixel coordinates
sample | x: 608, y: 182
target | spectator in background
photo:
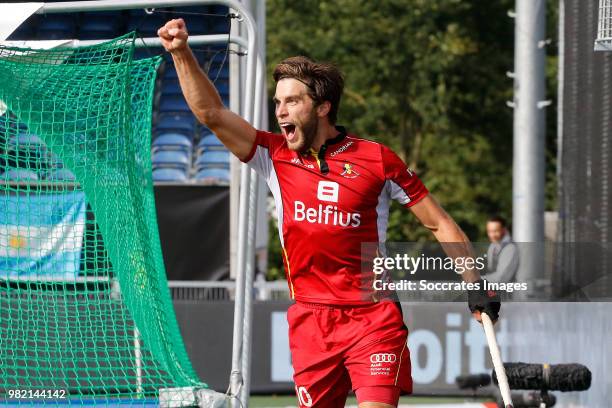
x: 502, y: 255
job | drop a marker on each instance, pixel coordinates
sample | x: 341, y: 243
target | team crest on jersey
x: 349, y: 171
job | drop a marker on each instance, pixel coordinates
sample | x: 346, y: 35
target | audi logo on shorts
x: 383, y: 358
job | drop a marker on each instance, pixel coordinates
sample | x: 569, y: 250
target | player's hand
x: 174, y: 35
x: 482, y: 300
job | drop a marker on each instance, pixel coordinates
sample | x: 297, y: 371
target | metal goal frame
x: 251, y: 110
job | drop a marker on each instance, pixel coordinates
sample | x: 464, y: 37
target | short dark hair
x: 323, y: 80
x: 498, y: 218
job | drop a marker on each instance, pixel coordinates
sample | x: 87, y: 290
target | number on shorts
x: 304, y: 397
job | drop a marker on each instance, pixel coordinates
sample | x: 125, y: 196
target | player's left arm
x: 452, y: 238
x: 456, y: 244
x: 406, y: 188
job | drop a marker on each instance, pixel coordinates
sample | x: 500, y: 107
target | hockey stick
x: 502, y: 380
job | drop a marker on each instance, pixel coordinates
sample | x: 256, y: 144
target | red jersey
x: 328, y: 204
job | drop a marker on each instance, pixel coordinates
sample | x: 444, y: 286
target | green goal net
x: 85, y: 309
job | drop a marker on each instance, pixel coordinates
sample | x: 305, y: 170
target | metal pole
x: 155, y: 41
x: 529, y: 135
x: 235, y: 85
x: 236, y: 377
x: 260, y: 17
x: 262, y: 233
x: 106, y: 5
x: 141, y: 42
x: 247, y: 335
x: 138, y: 362
x: 193, y: 40
x: 560, y: 102
x: 247, y: 321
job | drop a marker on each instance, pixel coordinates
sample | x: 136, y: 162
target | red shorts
x: 338, y: 348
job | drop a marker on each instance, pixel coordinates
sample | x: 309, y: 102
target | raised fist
x: 174, y: 35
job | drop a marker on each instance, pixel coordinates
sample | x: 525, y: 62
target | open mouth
x: 288, y: 131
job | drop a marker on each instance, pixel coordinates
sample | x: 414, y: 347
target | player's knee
x: 378, y: 396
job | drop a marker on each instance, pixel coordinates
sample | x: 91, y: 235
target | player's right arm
x: 201, y: 95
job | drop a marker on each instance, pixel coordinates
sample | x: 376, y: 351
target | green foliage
x: 428, y: 78
x: 275, y: 252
